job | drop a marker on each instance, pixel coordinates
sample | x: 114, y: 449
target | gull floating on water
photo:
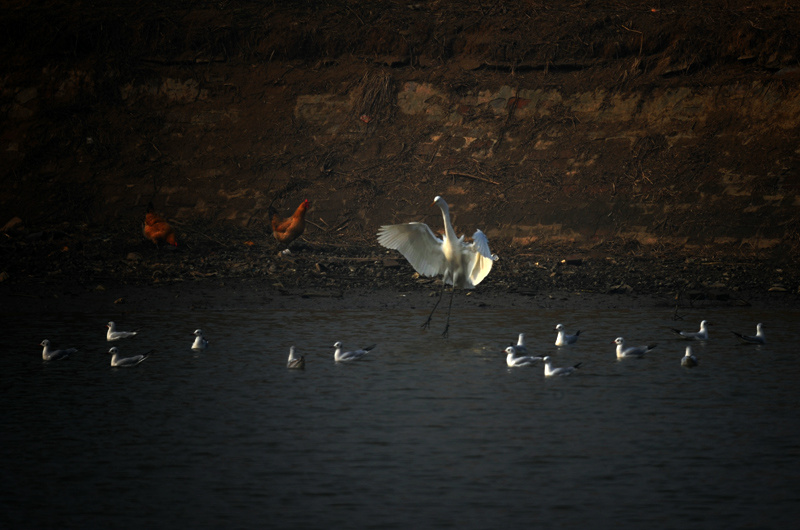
x: 340, y: 356
x: 295, y: 361
x: 116, y: 360
x: 55, y: 355
x: 459, y: 264
x: 513, y: 358
x: 113, y: 334
x: 563, y: 339
x: 758, y: 338
x: 632, y: 351
x: 200, y: 342
x: 694, y: 335
x: 688, y: 359
x: 521, y: 348
x: 549, y: 371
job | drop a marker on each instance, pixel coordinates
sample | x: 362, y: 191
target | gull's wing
x: 418, y: 244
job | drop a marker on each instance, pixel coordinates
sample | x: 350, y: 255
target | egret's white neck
x: 449, y: 232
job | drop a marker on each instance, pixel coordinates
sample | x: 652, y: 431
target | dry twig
x: 467, y: 175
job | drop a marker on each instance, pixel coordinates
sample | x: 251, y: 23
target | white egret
x: 458, y: 263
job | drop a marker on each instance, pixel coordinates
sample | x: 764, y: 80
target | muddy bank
x: 213, y: 269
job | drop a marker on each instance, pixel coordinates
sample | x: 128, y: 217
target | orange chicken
x: 156, y: 229
x: 288, y: 229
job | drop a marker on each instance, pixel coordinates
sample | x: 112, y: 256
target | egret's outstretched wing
x: 418, y: 244
x: 481, y: 244
x: 482, y: 259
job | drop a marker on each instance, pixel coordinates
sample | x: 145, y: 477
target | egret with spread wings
x: 459, y: 264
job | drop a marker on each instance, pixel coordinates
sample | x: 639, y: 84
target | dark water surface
x: 425, y: 433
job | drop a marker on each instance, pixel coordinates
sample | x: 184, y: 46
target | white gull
x: 344, y: 356
x: 549, y: 371
x: 632, y: 351
x: 113, y: 334
x: 758, y: 338
x: 688, y: 359
x: 200, y: 342
x: 295, y: 361
x: 521, y: 348
x: 563, y: 339
x: 116, y: 360
x: 694, y: 335
x: 513, y: 358
x: 49, y: 354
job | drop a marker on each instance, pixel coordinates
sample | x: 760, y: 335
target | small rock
x: 3, y: 276
x: 134, y: 256
x: 622, y: 288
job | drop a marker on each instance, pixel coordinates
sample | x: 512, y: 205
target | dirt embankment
x: 656, y: 144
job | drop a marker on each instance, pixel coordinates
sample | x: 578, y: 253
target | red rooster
x: 288, y: 229
x: 156, y: 229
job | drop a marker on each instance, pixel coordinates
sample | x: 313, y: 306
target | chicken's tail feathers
x: 272, y: 211
x: 578, y: 333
